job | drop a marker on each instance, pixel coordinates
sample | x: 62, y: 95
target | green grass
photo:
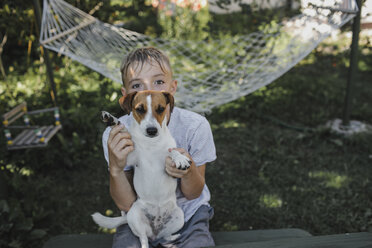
x: 277, y: 165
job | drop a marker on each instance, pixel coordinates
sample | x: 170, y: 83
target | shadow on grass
x: 272, y: 172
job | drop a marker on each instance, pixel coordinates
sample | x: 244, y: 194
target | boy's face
x: 148, y: 77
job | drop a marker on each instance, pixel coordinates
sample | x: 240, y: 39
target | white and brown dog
x: 155, y: 213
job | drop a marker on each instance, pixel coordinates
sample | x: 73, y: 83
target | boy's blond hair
x: 145, y: 55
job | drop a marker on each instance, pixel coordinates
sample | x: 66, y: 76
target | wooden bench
x: 30, y: 136
x: 279, y: 238
x: 348, y: 240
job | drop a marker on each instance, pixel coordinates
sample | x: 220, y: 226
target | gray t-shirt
x: 193, y: 133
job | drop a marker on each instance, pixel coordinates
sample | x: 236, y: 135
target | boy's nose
x: 148, y: 86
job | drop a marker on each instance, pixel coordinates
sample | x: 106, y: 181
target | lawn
x: 277, y: 166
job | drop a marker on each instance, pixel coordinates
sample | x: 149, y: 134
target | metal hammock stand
x: 31, y: 136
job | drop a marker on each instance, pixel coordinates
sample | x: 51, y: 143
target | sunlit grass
x: 272, y: 93
x: 330, y: 179
x: 232, y: 124
x: 107, y: 230
x: 271, y: 201
x: 363, y: 66
x: 13, y: 169
x: 108, y: 212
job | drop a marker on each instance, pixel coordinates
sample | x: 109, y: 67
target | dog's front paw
x: 182, y: 162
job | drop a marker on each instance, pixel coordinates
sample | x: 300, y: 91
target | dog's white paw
x: 182, y: 162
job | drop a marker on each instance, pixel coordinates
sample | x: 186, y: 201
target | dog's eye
x: 160, y: 110
x: 141, y: 110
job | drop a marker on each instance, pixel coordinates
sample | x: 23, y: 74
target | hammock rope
x: 210, y: 72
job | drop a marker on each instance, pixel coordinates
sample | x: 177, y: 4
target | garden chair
x: 30, y: 136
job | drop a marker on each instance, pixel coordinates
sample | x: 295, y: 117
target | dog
x: 155, y: 214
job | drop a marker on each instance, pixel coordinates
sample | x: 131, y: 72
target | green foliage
x: 82, y: 94
x: 249, y: 20
x: 21, y: 219
x: 184, y: 23
x: 18, y: 22
x: 266, y: 176
x: 278, y: 174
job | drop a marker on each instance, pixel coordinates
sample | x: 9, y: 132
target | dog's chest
x: 151, y: 181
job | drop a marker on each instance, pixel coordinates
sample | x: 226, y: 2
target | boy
x: 149, y: 69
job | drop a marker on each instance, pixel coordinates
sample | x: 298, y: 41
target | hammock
x: 209, y: 73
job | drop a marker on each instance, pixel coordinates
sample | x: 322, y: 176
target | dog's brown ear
x: 126, y: 102
x: 169, y: 99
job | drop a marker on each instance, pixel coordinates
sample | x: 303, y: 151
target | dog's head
x: 149, y: 110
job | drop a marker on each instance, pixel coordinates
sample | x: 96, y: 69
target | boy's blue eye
x: 135, y: 86
x: 159, y: 82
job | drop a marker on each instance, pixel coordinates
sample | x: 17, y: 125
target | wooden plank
x: 46, y: 131
x: 26, y: 146
x: 222, y: 238
x: 10, y: 121
x: 24, y: 137
x: 22, y: 127
x: 39, y: 111
x: 80, y: 241
x: 28, y: 139
x: 351, y: 240
x: 36, y: 140
x: 14, y: 111
x: 33, y: 140
x: 90, y: 240
x: 52, y: 132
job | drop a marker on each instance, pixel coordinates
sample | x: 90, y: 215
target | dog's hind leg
x: 139, y: 223
x: 173, y: 225
x: 144, y: 241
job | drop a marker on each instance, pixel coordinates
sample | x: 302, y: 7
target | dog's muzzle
x: 152, y: 132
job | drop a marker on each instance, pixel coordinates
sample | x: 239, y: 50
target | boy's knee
x: 124, y: 238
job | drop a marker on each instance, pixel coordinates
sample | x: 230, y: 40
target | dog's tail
x: 109, y: 222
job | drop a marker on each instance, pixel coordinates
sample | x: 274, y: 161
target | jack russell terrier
x: 155, y: 214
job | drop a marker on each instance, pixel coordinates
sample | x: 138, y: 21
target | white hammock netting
x: 209, y: 73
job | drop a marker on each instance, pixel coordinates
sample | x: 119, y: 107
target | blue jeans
x: 195, y: 233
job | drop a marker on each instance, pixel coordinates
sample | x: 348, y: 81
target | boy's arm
x: 192, y: 179
x: 192, y: 183
x: 119, y: 145
x: 121, y: 189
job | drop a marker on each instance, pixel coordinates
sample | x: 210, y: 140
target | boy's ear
x: 126, y: 102
x: 169, y: 100
x: 174, y: 87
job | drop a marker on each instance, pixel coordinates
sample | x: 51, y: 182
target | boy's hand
x: 119, y: 146
x: 170, y: 166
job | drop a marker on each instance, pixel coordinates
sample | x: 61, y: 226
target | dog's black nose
x: 152, y: 131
